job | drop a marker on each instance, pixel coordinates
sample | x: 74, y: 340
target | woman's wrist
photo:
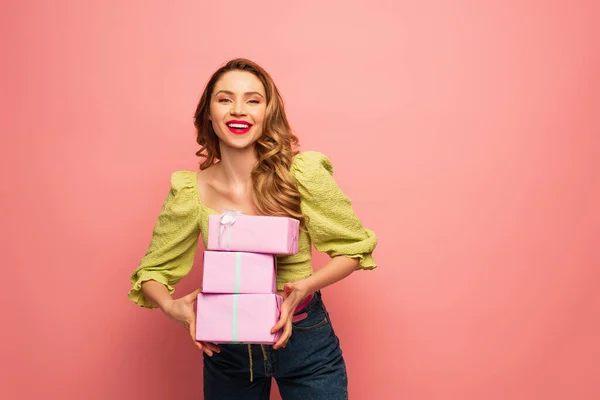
x: 303, y: 287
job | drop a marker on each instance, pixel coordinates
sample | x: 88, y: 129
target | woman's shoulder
x: 183, y: 180
x: 307, y: 163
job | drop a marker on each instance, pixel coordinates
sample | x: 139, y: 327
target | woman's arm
x: 157, y: 293
x: 334, y: 229
x: 335, y: 270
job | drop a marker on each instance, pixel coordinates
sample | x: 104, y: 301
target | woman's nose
x: 237, y: 109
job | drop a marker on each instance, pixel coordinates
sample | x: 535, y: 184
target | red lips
x: 239, y: 130
x: 235, y: 121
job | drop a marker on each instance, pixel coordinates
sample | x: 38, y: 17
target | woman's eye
x: 254, y: 101
x: 223, y: 100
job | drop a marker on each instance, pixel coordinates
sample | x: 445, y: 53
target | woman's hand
x: 293, y: 294
x: 182, y: 311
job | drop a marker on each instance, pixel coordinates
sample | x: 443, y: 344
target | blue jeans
x: 311, y: 365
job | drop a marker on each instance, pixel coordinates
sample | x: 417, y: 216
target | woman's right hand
x: 182, y: 311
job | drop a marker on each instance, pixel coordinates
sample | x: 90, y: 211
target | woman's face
x: 237, y: 109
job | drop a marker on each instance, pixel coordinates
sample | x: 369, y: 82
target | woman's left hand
x: 293, y: 294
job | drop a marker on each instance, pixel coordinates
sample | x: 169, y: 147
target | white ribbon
x: 226, y: 221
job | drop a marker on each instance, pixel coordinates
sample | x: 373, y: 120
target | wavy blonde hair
x: 274, y: 190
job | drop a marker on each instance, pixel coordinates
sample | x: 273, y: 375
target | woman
x: 250, y: 165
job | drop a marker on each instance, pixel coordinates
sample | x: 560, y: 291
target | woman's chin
x: 239, y: 144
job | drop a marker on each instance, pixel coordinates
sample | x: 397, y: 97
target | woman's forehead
x: 239, y: 82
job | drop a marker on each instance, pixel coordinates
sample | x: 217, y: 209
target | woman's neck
x: 236, y: 165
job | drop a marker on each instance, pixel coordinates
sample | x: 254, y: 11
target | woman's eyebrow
x: 232, y: 94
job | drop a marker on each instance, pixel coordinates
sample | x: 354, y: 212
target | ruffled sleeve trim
x: 137, y: 296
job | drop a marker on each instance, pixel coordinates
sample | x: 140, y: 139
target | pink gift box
x: 233, y: 231
x: 238, y: 272
x: 237, y: 318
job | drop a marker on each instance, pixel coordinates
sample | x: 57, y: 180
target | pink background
x: 466, y: 134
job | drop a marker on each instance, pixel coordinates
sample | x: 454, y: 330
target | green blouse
x: 333, y: 228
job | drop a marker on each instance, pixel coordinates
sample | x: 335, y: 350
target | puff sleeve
x: 332, y: 224
x: 170, y: 254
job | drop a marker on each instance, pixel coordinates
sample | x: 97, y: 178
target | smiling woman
x: 251, y: 165
x: 249, y: 105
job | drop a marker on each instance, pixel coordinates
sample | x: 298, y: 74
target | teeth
x: 239, y: 126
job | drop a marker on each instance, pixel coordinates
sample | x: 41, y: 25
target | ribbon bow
x: 226, y: 221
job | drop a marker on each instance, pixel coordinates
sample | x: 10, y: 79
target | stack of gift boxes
x: 238, y: 303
